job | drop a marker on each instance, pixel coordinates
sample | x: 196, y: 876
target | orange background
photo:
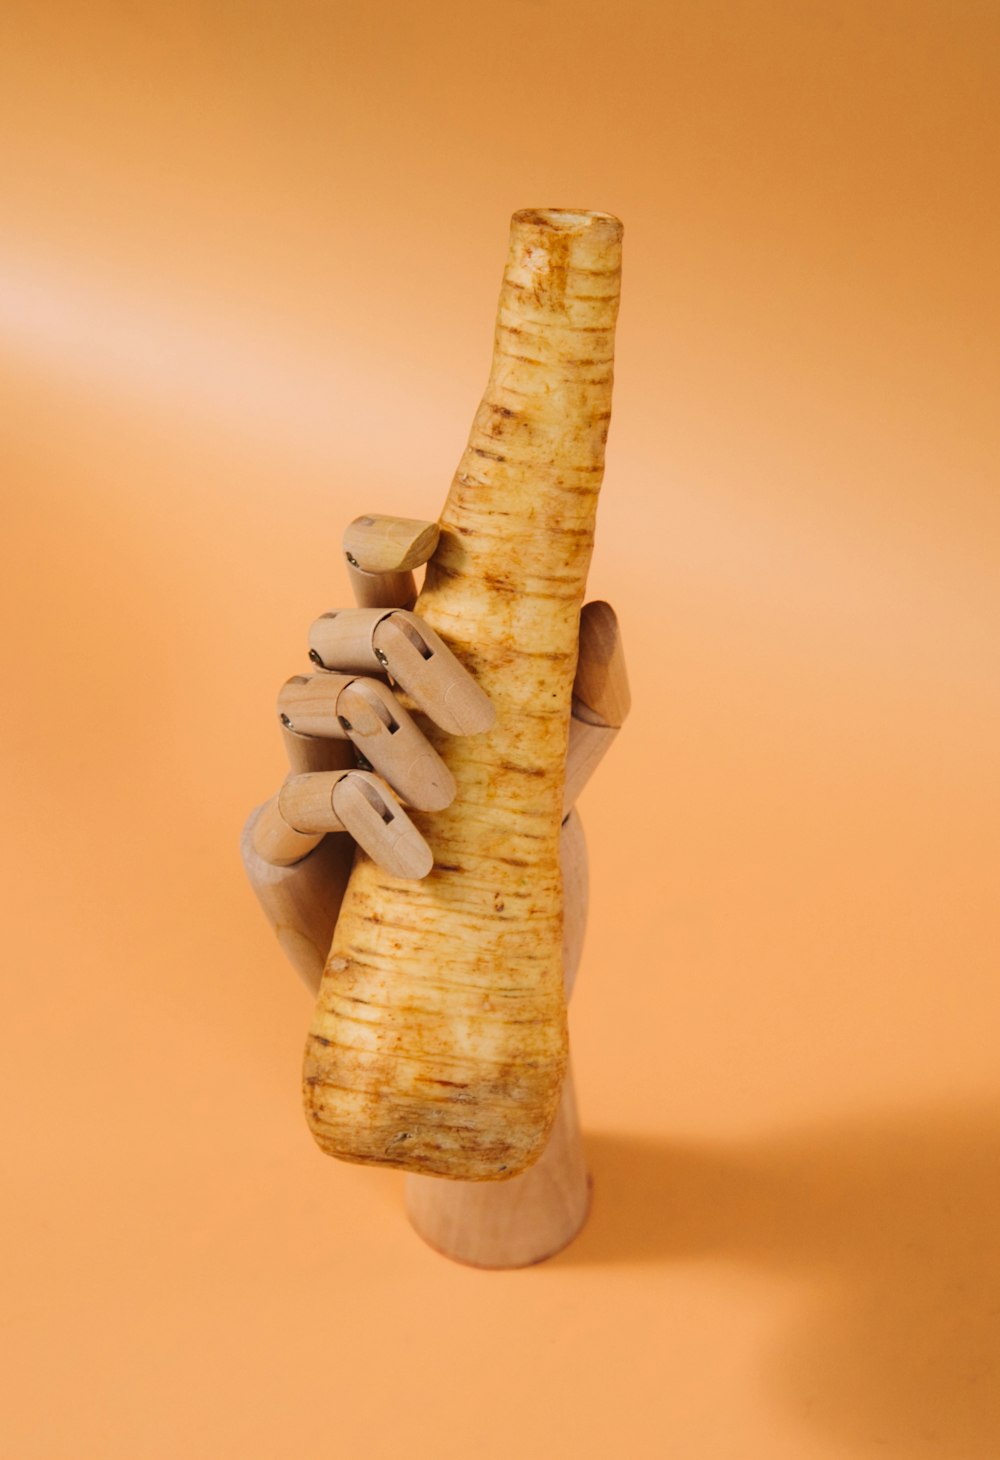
x: 248, y: 270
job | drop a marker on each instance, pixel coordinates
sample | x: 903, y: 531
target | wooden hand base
x: 535, y: 1215
x: 510, y: 1223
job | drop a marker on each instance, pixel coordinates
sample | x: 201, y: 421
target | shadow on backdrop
x: 893, y: 1227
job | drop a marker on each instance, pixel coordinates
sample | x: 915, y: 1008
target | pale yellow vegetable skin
x: 439, y: 1040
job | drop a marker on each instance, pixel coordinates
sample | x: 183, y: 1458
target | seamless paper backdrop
x: 248, y: 271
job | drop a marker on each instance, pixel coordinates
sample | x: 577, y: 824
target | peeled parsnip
x: 439, y: 1040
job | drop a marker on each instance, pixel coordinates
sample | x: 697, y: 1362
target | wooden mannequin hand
x: 355, y: 752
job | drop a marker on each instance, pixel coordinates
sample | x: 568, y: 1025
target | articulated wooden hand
x: 298, y: 850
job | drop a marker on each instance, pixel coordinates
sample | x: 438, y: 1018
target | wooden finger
x: 367, y: 713
x: 381, y: 554
x: 359, y: 803
x: 363, y: 640
x: 588, y: 745
x: 307, y: 705
x: 342, y: 640
x: 600, y: 689
x: 382, y: 590
x: 601, y: 697
x: 315, y: 753
x: 380, y: 544
x: 277, y: 842
x: 420, y: 661
x: 306, y: 802
x: 576, y: 889
x: 380, y: 825
x: 274, y: 840
x: 394, y: 745
x: 301, y: 902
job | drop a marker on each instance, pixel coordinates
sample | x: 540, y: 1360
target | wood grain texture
x: 439, y: 1041
x: 379, y: 544
x: 601, y: 693
x: 300, y: 902
x: 382, y: 590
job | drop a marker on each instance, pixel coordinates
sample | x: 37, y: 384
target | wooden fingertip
x: 420, y: 661
x: 390, y: 740
x: 601, y: 684
x: 380, y: 825
x: 380, y: 544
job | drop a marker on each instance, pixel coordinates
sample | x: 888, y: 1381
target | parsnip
x: 439, y: 1037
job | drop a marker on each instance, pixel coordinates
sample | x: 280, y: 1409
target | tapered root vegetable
x: 439, y: 1041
